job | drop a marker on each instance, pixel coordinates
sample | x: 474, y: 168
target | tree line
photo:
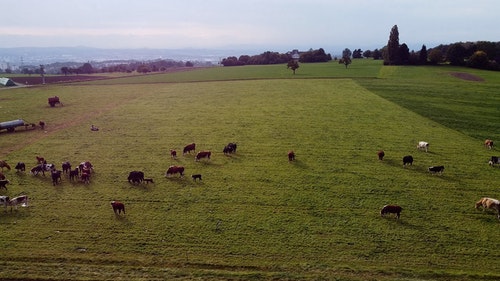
x: 269, y: 57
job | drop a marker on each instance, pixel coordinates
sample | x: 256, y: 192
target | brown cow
x: 188, y: 148
x: 291, y: 155
x: 173, y: 153
x: 202, y: 154
x: 380, y: 155
x: 391, y: 209
x: 118, y: 207
x: 488, y: 144
x: 4, y: 164
x: 489, y: 203
x: 174, y: 170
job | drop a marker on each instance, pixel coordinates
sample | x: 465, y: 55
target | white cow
x: 4, y: 200
x: 23, y: 200
x: 422, y: 145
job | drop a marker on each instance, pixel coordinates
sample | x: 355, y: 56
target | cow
x: 202, y: 154
x: 422, y: 145
x: 380, y: 155
x: 118, y: 207
x: 74, y: 174
x: 42, y: 168
x: 3, y: 184
x: 85, y: 177
x: 174, y: 170
x: 488, y: 144
x: 86, y: 166
x: 291, y: 155
x: 196, y: 176
x: 66, y: 167
x: 2, y: 176
x: 20, y: 167
x: 56, y: 176
x: 4, y: 200
x: 173, y: 154
x: 4, y: 164
x: 19, y: 200
x: 489, y: 203
x: 41, y: 124
x: 407, y: 160
x: 40, y: 160
x: 391, y: 209
x: 436, y: 169
x: 188, y: 148
x: 230, y: 148
x: 135, y: 177
x: 494, y: 160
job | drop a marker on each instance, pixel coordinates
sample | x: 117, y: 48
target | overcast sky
x: 275, y: 25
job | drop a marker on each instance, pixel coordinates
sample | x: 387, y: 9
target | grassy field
x: 255, y: 216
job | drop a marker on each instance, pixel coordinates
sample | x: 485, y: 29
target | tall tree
x: 293, y: 65
x: 393, y: 52
x: 423, y: 55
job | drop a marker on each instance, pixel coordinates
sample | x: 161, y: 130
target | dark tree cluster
x: 141, y: 67
x: 481, y: 54
x: 276, y: 58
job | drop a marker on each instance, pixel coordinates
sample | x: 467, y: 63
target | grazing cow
x: 196, y: 176
x: 422, y: 145
x: 202, y: 154
x: 4, y: 164
x: 40, y: 160
x: 391, y: 209
x: 291, y: 155
x: 188, y: 148
x: 56, y: 176
x: 86, y: 166
x: 230, y: 148
x: 148, y: 180
x: 494, y: 160
x: 74, y: 174
x: 488, y: 144
x: 19, y: 200
x: 85, y: 177
x: 66, y: 167
x: 174, y: 170
x: 20, y: 166
x: 380, y: 155
x: 3, y: 184
x: 118, y: 207
x: 135, y: 177
x: 407, y: 160
x: 489, y: 203
x: 173, y: 154
x: 436, y: 169
x: 4, y: 200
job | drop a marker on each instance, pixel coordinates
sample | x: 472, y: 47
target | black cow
x: 436, y: 169
x: 20, y: 166
x: 494, y: 161
x: 391, y: 209
x: 135, y: 177
x: 408, y: 159
x: 230, y: 148
x: 74, y: 174
x: 66, y: 167
x: 3, y: 184
x: 56, y: 176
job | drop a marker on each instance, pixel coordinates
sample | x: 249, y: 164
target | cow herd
x: 486, y: 203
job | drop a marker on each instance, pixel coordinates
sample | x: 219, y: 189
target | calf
x: 391, y: 209
x: 407, y: 160
x: 118, y: 207
x: 291, y: 155
x: 488, y: 144
x: 380, y: 155
x: 19, y: 200
x: 196, y: 176
x: 173, y: 154
x: 66, y: 167
x: 20, y: 166
x: 436, y: 169
x: 73, y: 174
x: 422, y: 145
x: 3, y: 184
x: 4, y: 200
x: 494, y: 160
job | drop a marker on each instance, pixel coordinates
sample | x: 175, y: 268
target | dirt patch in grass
x: 466, y: 76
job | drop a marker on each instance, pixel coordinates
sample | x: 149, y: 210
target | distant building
x: 6, y: 82
x: 295, y: 55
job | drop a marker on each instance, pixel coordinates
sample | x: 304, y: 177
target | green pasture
x: 255, y: 215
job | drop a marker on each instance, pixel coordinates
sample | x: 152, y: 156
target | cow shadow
x: 299, y: 164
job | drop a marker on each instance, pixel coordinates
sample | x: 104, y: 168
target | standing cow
x: 20, y: 167
x: 202, y: 154
x: 407, y: 160
x: 380, y: 155
x: 188, y: 148
x: 488, y: 144
x: 494, y: 160
x: 291, y: 155
x: 174, y: 170
x: 391, y: 209
x: 422, y: 145
x: 118, y: 207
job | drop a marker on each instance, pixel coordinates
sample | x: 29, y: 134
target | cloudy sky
x: 277, y: 25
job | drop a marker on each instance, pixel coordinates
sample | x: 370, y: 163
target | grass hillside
x: 255, y: 215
